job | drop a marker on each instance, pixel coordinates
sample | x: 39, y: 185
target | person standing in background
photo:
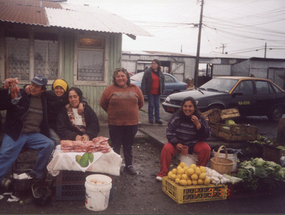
x: 122, y: 101
x: 153, y: 86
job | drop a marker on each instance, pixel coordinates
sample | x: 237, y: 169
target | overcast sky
x: 238, y: 27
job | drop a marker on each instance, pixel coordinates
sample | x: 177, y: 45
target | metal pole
x: 198, y: 46
x: 265, y: 50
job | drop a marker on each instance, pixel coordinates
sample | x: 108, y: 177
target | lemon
x: 189, y: 182
x: 179, y: 167
x: 173, y: 177
x: 193, y: 166
x: 180, y: 171
x: 207, y: 181
x: 203, y: 170
x: 194, y: 176
x: 190, y: 171
x: 197, y: 171
x: 194, y: 182
x: 177, y: 180
x: 174, y: 171
x: 202, y: 176
x: 182, y: 164
x: 179, y: 176
x: 185, y: 168
x: 184, y: 176
x: 200, y: 181
x: 169, y: 175
x: 183, y: 182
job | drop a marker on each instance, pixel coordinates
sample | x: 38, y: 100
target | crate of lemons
x: 186, y: 176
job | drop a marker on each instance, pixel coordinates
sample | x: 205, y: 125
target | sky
x: 245, y: 28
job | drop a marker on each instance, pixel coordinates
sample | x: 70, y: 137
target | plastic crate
x: 66, y: 177
x: 195, y: 193
x: 70, y: 192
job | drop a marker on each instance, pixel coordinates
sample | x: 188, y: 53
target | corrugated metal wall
x: 91, y: 93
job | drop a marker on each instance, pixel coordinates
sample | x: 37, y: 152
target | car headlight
x: 167, y: 100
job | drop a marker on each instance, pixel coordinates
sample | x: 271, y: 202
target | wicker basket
x: 222, y: 165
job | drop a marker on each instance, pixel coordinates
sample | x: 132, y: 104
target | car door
x: 264, y: 97
x: 243, y: 97
x: 169, y: 84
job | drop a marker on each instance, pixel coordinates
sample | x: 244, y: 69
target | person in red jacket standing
x: 153, y: 86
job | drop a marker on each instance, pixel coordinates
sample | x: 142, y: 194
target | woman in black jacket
x: 74, y: 126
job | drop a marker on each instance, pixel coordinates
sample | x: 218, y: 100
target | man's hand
x: 28, y: 89
x: 9, y: 82
x: 85, y: 137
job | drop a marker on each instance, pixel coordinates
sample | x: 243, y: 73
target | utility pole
x: 265, y: 50
x: 198, y: 46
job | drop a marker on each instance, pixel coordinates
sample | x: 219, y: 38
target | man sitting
x: 26, y: 125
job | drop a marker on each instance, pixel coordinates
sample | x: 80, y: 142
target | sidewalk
x: 157, y: 132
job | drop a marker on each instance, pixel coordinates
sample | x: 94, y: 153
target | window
x: 245, y: 87
x: 90, y: 58
x: 18, y: 51
x: 168, y: 79
x: 262, y: 87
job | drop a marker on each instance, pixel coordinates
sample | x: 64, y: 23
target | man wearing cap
x: 26, y: 125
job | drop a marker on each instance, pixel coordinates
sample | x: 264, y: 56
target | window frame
x: 104, y: 48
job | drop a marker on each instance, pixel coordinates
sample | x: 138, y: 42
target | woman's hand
x: 179, y: 146
x: 85, y: 137
x: 78, y: 138
x: 195, y: 121
x: 80, y: 108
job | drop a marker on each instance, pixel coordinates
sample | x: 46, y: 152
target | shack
x: 79, y: 43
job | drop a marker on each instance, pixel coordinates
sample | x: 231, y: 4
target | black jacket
x: 146, y: 82
x: 54, y: 105
x: 15, y: 113
x: 67, y: 131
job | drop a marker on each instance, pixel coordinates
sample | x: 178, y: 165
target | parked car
x: 252, y: 97
x: 172, y: 84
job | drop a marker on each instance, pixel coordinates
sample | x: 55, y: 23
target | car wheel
x: 275, y: 114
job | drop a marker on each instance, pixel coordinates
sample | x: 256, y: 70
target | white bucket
x: 188, y: 159
x: 97, y: 195
x: 232, y: 157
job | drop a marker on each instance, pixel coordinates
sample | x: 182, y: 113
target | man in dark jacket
x: 26, y: 125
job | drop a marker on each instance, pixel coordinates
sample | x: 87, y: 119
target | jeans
x: 123, y: 135
x: 10, y: 150
x: 53, y: 135
x: 153, y: 103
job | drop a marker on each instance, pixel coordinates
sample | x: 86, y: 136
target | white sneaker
x: 158, y: 178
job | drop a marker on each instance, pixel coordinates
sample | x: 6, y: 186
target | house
x: 81, y: 44
x: 270, y: 68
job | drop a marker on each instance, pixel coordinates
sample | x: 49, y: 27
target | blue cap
x: 40, y: 80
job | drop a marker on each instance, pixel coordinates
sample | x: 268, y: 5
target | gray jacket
x: 146, y: 82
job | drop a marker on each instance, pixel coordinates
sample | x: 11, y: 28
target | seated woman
x: 186, y: 127
x: 73, y: 126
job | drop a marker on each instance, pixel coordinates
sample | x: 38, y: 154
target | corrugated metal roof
x: 64, y: 15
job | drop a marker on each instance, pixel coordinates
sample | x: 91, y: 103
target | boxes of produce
x: 273, y: 152
x: 234, y: 132
x: 217, y: 115
x: 194, y: 193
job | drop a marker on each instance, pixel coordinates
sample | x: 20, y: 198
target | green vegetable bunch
x: 262, y: 140
x: 258, y: 174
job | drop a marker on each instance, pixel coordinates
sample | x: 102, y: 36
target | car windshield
x: 219, y: 84
x: 137, y: 77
